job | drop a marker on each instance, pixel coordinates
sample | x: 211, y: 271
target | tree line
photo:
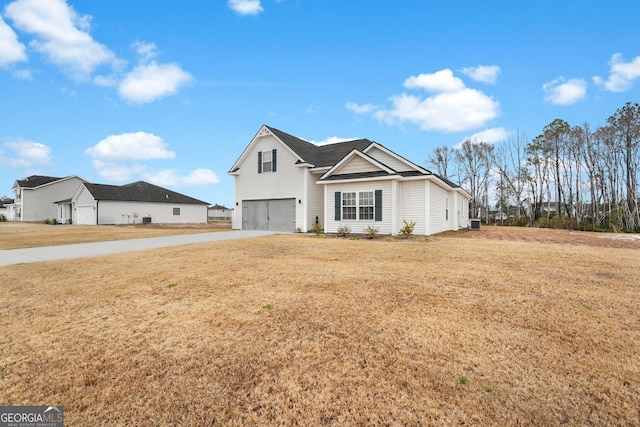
x: 567, y: 176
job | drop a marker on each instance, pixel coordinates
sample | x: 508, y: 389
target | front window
x: 349, y: 206
x: 266, y: 161
x: 358, y: 206
x: 365, y: 208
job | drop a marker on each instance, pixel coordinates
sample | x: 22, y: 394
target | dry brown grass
x: 16, y: 235
x: 296, y: 330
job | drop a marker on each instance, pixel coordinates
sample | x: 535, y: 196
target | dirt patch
x: 546, y: 235
x: 297, y: 330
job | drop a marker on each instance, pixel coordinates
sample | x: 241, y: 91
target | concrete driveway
x: 51, y: 253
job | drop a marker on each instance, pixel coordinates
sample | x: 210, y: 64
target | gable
x: 356, y: 164
x: 391, y: 159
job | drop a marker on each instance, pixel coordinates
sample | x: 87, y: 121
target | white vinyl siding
x: 437, y: 209
x: 412, y: 196
x: 287, y: 183
x: 39, y: 204
x: 388, y: 160
x: 356, y: 165
x: 315, y: 194
x: 356, y: 226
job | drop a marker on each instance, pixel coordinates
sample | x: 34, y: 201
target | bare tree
x: 440, y: 159
x: 475, y: 161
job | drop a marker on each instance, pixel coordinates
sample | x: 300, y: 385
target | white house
x: 284, y: 183
x: 138, y: 202
x: 35, y: 197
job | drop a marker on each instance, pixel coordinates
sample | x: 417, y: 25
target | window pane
x: 176, y: 211
x: 366, y: 205
x: 349, y: 206
x: 266, y: 161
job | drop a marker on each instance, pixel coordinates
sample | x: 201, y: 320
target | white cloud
x: 153, y: 81
x: 565, y: 92
x: 361, y: 109
x: 130, y: 146
x: 453, y: 107
x: 117, y: 172
x: 23, y: 74
x: 482, y: 73
x: 332, y: 140
x: 621, y: 74
x: 61, y: 35
x: 25, y: 154
x: 171, y: 178
x: 146, y: 51
x: 246, y: 7
x: 11, y: 50
x: 489, y: 136
x: 440, y: 81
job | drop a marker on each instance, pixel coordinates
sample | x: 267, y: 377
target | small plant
x: 322, y: 236
x: 316, y: 228
x: 54, y: 221
x: 344, y: 231
x: 463, y: 380
x: 353, y: 238
x: 427, y: 240
x: 267, y: 306
x: 69, y: 221
x: 389, y: 239
x: 172, y: 285
x: 46, y: 221
x: 371, y: 232
x: 407, y: 228
x: 488, y: 389
x: 3, y: 218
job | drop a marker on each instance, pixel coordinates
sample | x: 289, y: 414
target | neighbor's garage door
x: 273, y: 215
x: 85, y: 215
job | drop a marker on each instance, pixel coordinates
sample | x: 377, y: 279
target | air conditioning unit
x: 474, y: 224
x: 146, y: 220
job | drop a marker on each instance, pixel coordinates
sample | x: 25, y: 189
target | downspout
x: 97, y: 208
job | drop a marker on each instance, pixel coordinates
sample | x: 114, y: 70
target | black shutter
x: 273, y: 160
x: 378, y: 205
x: 259, y: 161
x: 338, y: 205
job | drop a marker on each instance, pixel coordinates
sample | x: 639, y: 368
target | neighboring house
x: 284, y: 183
x: 36, y: 197
x: 5, y: 204
x: 138, y: 202
x: 219, y: 212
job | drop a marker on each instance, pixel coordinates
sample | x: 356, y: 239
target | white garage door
x: 85, y: 215
x: 272, y: 215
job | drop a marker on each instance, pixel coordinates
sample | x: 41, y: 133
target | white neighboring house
x: 5, y: 203
x: 135, y: 203
x: 284, y: 183
x: 35, y: 198
x: 220, y: 212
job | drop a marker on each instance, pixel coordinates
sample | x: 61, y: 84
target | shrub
x: 389, y: 239
x: 316, y: 228
x: 407, y: 228
x: 69, y: 221
x: 371, y: 232
x: 3, y: 218
x: 54, y: 221
x: 46, y: 221
x: 344, y: 231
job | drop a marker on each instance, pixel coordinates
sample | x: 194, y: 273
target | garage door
x: 85, y: 215
x: 272, y: 215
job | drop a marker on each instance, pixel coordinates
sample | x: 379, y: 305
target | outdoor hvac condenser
x: 474, y: 224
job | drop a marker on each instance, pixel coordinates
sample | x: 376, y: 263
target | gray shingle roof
x: 139, y: 191
x: 320, y: 155
x: 36, y: 181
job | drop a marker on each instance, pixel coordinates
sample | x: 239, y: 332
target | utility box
x: 146, y: 220
x: 474, y: 224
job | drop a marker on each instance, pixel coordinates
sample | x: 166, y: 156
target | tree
x: 625, y: 126
x: 475, y: 161
x: 440, y: 159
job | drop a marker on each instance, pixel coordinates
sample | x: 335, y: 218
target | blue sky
x: 172, y: 92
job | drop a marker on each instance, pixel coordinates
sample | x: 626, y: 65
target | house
x: 220, y: 213
x: 284, y: 183
x: 36, y: 197
x: 138, y: 202
x: 5, y: 203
